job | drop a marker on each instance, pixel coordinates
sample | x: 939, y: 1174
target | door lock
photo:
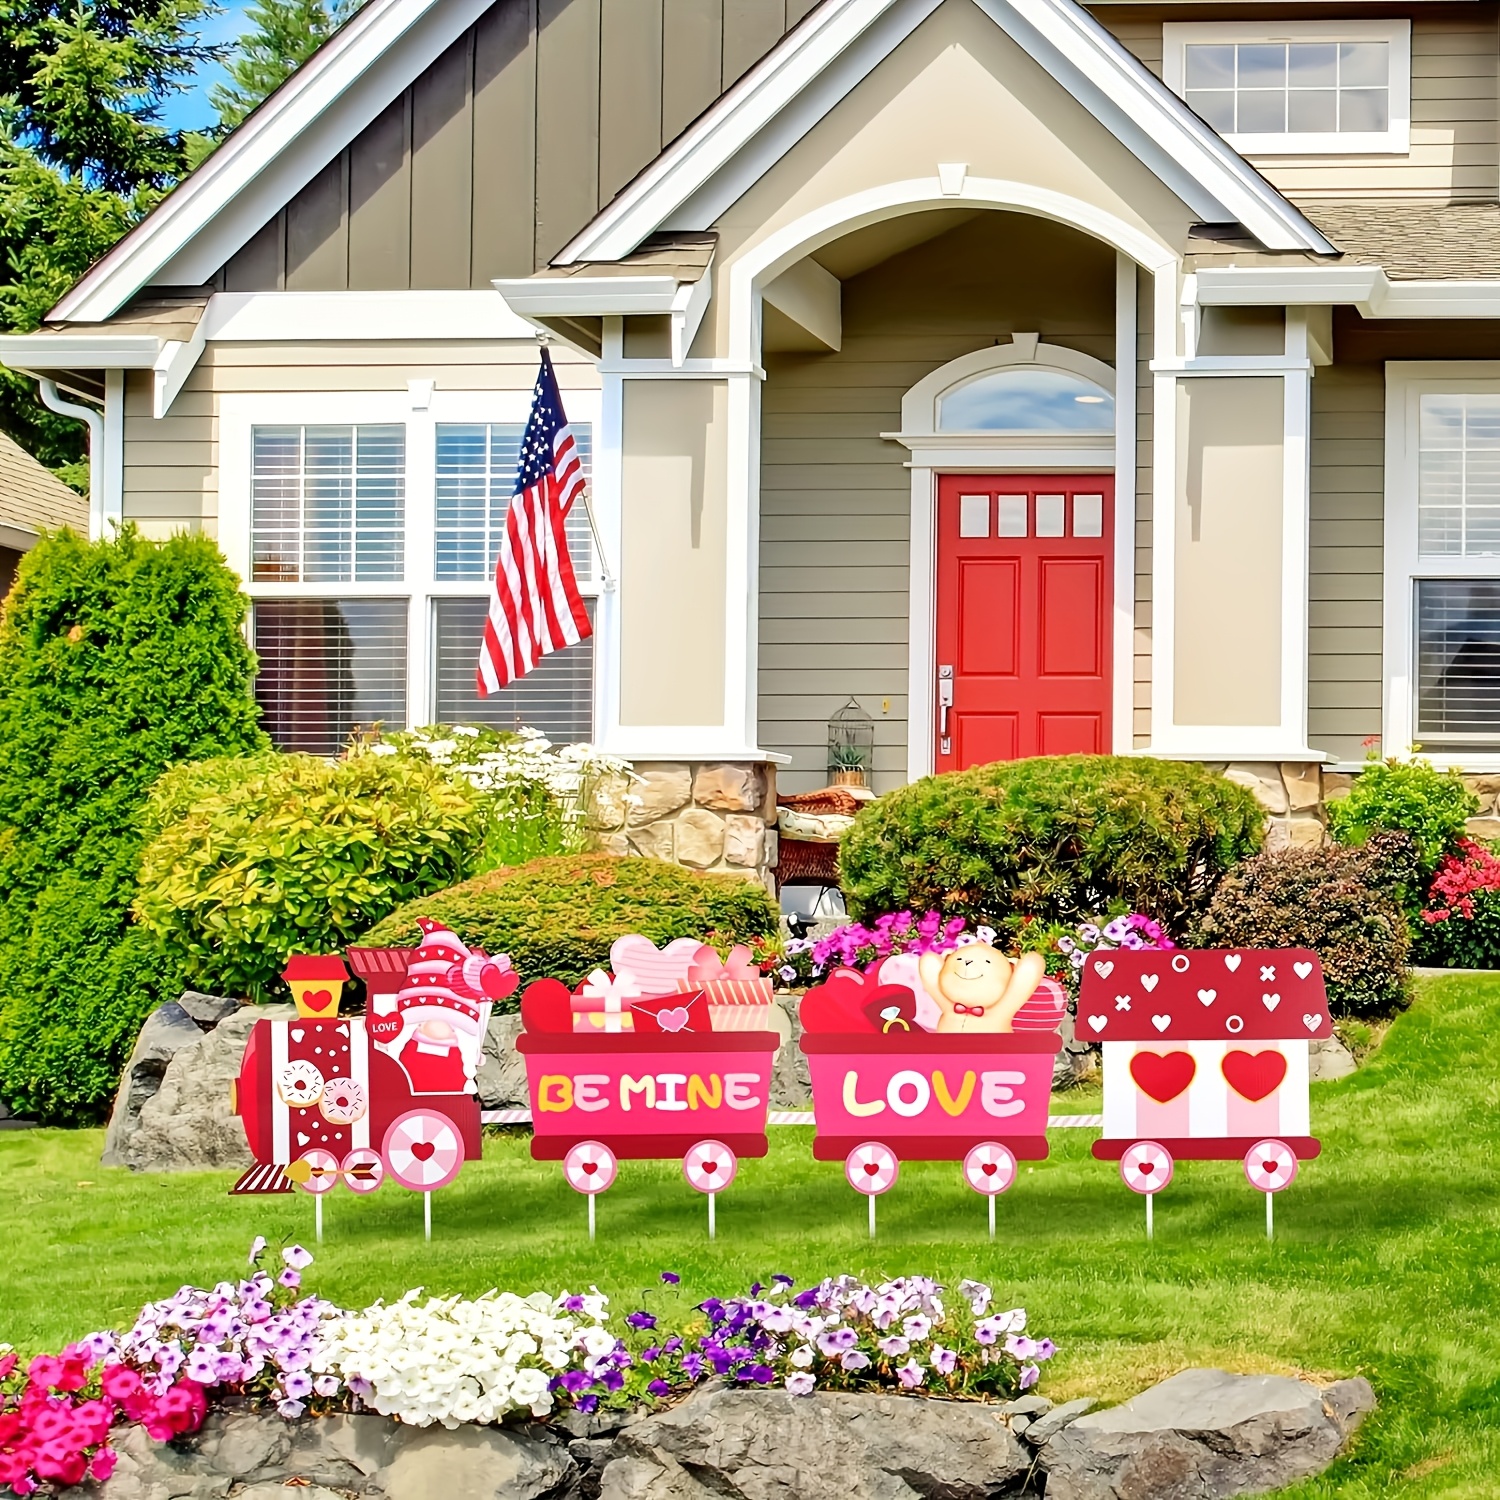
x: 945, y: 707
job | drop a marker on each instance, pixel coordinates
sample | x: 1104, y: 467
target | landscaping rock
x: 1204, y: 1435
x: 167, y: 1030
x: 501, y: 1079
x: 1328, y: 1057
x: 827, y: 1446
x: 661, y: 790
x: 791, y: 1080
x: 1047, y: 1426
x: 187, y: 1125
x: 207, y: 1010
x: 1264, y: 779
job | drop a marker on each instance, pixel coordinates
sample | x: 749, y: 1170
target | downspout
x: 52, y: 399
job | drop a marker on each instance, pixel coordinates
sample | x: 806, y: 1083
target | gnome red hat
x: 432, y: 970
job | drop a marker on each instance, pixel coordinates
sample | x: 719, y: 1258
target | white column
x: 1123, y: 664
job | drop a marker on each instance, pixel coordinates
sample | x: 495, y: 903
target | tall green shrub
x: 253, y: 859
x: 117, y: 659
x: 1410, y: 797
x: 1054, y: 839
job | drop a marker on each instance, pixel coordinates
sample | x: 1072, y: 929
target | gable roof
x: 852, y: 36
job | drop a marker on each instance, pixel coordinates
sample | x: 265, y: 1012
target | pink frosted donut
x: 343, y: 1101
x: 299, y: 1084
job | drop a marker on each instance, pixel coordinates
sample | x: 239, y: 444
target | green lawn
x: 1386, y: 1262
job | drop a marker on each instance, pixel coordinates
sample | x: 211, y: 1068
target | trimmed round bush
x: 1410, y: 797
x: 1057, y: 839
x: 557, y: 917
x: 1342, y: 903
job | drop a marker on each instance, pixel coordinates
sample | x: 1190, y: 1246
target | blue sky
x: 192, y: 111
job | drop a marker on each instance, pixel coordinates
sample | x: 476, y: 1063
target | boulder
x: 167, y: 1030
x: 827, y: 1446
x: 501, y: 1079
x: 187, y: 1125
x: 1328, y: 1057
x: 260, y: 1455
x: 791, y: 1081
x: 1204, y: 1435
x: 208, y: 1010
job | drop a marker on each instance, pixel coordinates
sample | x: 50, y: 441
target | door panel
x: 1023, y: 616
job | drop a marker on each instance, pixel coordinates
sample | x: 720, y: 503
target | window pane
x: 1012, y: 515
x: 1313, y: 65
x: 476, y: 476
x: 1458, y: 663
x: 1215, y: 107
x: 1050, y: 516
x: 1209, y: 68
x: 1262, y: 112
x: 1312, y: 110
x: 327, y: 503
x: 556, y: 697
x: 1088, y: 515
x: 1262, y: 66
x: 329, y: 667
x: 1027, y: 398
x: 1458, y: 476
x: 1364, y: 63
x: 973, y: 515
x: 1364, y: 109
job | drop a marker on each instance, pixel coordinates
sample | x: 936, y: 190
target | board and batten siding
x: 835, y: 498
x: 171, y: 478
x: 1455, y: 115
x: 1145, y: 312
x: 509, y: 143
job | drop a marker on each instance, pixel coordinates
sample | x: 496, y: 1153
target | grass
x: 1386, y: 1262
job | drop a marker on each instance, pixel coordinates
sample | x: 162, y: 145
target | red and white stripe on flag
x: 535, y: 607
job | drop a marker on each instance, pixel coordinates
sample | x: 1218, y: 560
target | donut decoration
x: 362, y: 1170
x: 342, y: 1101
x: 1270, y: 1166
x: 423, y: 1151
x: 872, y: 1169
x: 590, y: 1167
x: 710, y: 1166
x: 299, y: 1084
x: 990, y: 1168
x: 1146, y: 1167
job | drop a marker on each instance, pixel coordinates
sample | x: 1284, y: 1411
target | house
x: 32, y: 500
x: 1049, y: 377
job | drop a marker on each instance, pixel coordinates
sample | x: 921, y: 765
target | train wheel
x: 423, y: 1151
x: 363, y: 1170
x: 590, y: 1167
x: 872, y: 1169
x: 1146, y: 1167
x: 710, y: 1166
x: 1270, y: 1166
x: 990, y: 1168
x: 314, y: 1171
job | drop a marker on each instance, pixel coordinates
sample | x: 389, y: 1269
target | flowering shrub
x: 857, y: 946
x: 452, y: 1360
x: 1132, y: 930
x: 535, y: 800
x: 1462, y: 917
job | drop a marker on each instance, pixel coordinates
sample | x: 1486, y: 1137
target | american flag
x: 535, y: 606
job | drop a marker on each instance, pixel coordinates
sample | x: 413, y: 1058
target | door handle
x: 945, y: 698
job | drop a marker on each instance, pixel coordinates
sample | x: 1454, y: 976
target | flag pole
x: 606, y: 574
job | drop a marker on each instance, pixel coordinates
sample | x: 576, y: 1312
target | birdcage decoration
x: 851, y: 746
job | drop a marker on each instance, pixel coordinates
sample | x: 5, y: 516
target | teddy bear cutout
x: 978, y: 989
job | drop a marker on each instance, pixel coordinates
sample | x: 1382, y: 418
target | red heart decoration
x: 547, y: 1006
x: 317, y: 999
x: 871, y: 1168
x: 1254, y: 1075
x: 384, y: 1028
x: 496, y: 982
x: 1162, y: 1075
x: 1145, y: 1168
x: 709, y: 1166
x: 837, y: 1005
x: 589, y: 1168
x: 1270, y: 1168
x: 422, y: 1150
x: 988, y: 1168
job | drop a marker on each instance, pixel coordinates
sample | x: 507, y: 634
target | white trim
x: 79, y: 351
x: 1367, y: 288
x: 353, y: 317
x: 1406, y: 382
x: 1123, y: 638
x: 112, y: 457
x: 1396, y: 140
x: 1096, y: 69
x: 323, y: 106
x: 173, y: 366
x: 919, y: 406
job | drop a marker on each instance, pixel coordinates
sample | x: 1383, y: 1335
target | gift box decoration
x: 602, y: 1002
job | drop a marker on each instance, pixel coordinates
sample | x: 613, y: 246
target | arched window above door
x: 1027, y: 398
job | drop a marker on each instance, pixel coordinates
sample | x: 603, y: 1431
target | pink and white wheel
x: 363, y: 1170
x: 990, y: 1168
x: 1270, y: 1166
x: 590, y: 1167
x: 321, y: 1169
x: 423, y: 1151
x: 710, y: 1166
x: 872, y: 1169
x: 1146, y: 1167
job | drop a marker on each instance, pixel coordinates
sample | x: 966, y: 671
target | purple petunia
x: 641, y: 1320
x: 671, y: 1278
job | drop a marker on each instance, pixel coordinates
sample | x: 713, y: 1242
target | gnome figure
x: 444, y: 1009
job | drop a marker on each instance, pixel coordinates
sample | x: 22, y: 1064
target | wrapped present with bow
x: 602, y: 1002
x: 739, y: 996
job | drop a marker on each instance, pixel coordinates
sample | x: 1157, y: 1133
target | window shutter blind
x: 1458, y: 664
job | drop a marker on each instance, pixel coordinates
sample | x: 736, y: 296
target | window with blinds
x: 556, y: 696
x: 476, y: 475
x: 1458, y: 664
x: 329, y: 667
x: 1458, y: 476
x: 328, y: 504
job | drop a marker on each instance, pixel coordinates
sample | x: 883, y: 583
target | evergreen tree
x: 286, y: 34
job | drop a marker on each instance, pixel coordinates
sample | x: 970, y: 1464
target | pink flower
x: 911, y: 1375
x: 103, y: 1464
x: 45, y: 1370
x: 296, y: 1257
x: 801, y: 1383
x: 1029, y: 1376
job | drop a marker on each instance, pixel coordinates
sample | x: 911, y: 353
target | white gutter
x: 54, y: 402
x: 1366, y: 288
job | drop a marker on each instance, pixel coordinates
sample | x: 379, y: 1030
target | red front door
x: 1023, y: 616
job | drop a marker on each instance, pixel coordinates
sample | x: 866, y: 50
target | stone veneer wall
x: 710, y: 815
x: 1296, y: 794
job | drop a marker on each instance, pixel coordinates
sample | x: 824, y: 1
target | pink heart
x: 656, y: 970
x: 674, y: 1019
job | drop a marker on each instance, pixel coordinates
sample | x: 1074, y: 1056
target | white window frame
x: 419, y: 411
x: 1177, y: 36
x: 1406, y: 382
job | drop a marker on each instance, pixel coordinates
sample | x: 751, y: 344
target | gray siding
x: 509, y: 143
x: 836, y: 498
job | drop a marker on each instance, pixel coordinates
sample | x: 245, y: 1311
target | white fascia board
x: 275, y: 152
x: 173, y: 366
x: 590, y: 296
x: 1366, y: 288
x: 300, y: 317
x: 79, y: 351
